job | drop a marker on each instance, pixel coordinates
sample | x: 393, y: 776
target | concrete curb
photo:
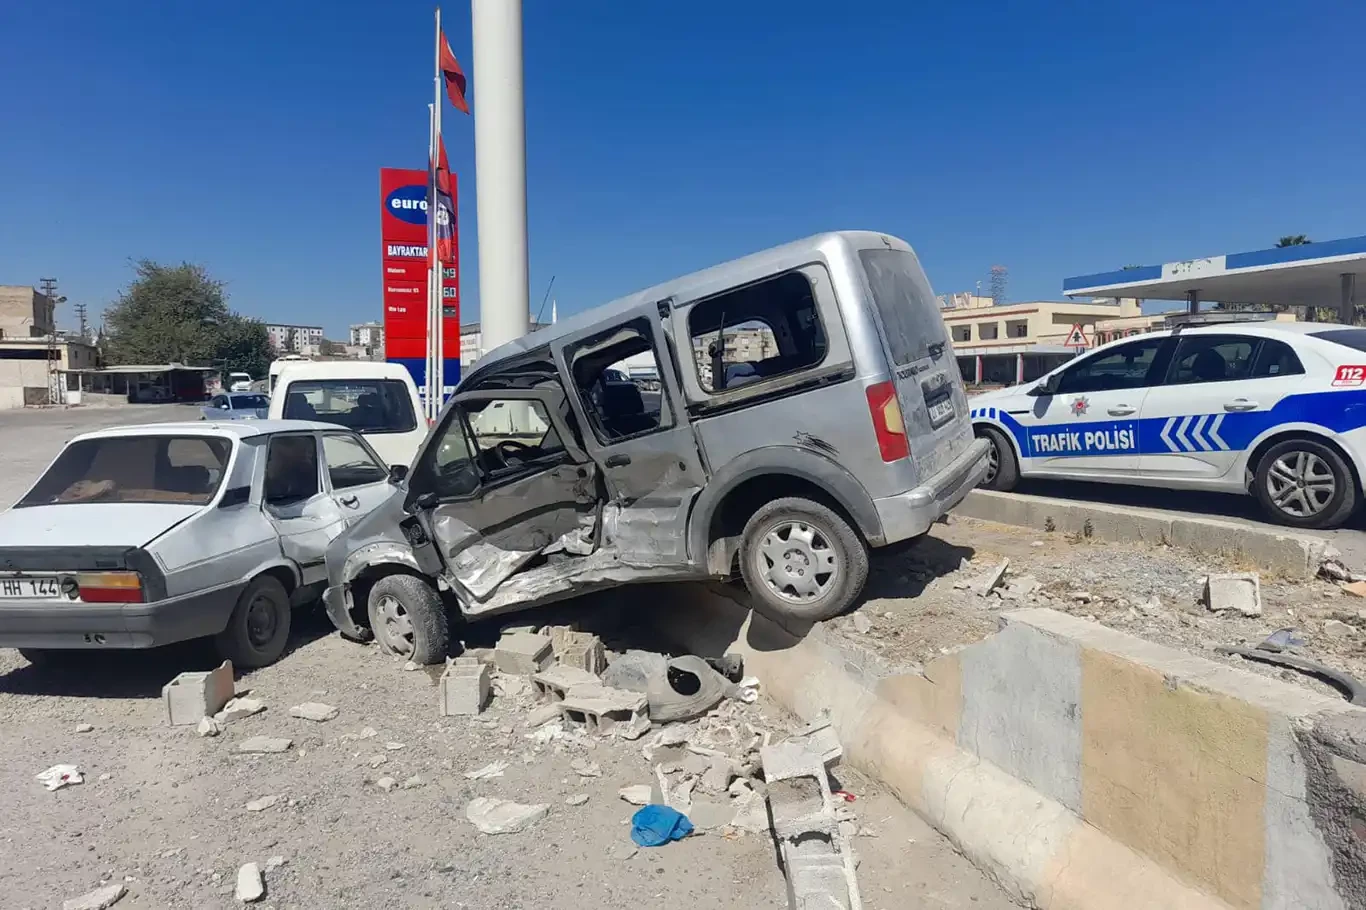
x: 1294, y: 555
x: 1021, y: 750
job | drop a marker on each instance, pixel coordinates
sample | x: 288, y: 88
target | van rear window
x: 902, y: 295
x: 363, y: 405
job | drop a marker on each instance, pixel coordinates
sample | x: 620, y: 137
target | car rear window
x: 171, y: 469
x: 1348, y: 338
x: 904, y: 300
x: 363, y: 405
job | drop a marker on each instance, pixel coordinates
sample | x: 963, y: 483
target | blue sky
x: 1057, y: 139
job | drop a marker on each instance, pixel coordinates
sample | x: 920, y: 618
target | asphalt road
x: 1350, y: 539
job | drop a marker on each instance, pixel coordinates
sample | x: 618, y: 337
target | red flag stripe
x: 454, y: 77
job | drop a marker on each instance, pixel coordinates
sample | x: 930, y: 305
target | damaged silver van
x: 808, y: 408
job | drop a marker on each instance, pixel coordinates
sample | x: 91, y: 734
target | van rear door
x: 924, y: 372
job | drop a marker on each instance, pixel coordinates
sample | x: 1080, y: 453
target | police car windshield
x: 1348, y: 338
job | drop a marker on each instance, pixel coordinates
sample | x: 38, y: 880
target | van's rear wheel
x: 801, y: 560
x: 408, y: 619
x: 1003, y: 471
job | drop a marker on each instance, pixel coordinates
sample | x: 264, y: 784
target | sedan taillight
x: 110, y: 587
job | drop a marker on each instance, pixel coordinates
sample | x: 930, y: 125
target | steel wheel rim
x: 797, y: 562
x: 395, y: 628
x: 262, y: 621
x: 993, y: 461
x: 1301, y: 484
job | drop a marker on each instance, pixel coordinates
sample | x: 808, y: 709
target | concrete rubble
x: 599, y: 708
x: 265, y: 802
x: 1236, y: 591
x: 265, y: 745
x: 208, y: 727
x: 238, y: 708
x: 555, y: 681
x: 251, y: 887
x: 191, y: 696
x: 992, y: 579
x: 464, y: 687
x: 493, y: 769
x: 636, y: 794
x: 522, y: 653
x: 501, y: 816
x: 314, y: 711
x: 99, y: 899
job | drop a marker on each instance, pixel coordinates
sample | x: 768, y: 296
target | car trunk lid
x: 113, y: 524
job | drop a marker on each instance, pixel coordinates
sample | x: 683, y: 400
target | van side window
x: 766, y: 329
x: 617, y: 407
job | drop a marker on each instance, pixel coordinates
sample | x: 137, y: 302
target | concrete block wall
x: 1083, y: 767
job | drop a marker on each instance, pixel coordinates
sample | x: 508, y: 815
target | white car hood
x: 94, y: 524
x: 997, y: 396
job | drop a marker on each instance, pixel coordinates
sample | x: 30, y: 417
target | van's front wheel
x: 801, y: 560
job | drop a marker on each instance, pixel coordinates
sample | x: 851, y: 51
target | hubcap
x: 1300, y: 484
x: 394, y: 628
x: 261, y: 621
x: 797, y: 562
x: 993, y: 461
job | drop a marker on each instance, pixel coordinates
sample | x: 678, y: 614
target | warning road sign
x: 1077, y: 337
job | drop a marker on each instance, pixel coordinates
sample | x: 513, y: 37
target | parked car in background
x: 377, y: 400
x: 239, y: 382
x: 146, y: 535
x: 236, y: 406
x: 810, y: 409
x: 1275, y: 410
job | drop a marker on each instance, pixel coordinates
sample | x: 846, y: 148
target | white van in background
x: 277, y: 366
x: 377, y: 400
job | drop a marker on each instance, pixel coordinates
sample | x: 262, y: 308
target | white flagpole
x: 431, y: 250
x: 439, y: 327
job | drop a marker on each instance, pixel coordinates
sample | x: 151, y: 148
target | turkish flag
x: 454, y: 76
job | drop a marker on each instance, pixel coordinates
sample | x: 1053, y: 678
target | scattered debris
x: 579, y: 650
x: 265, y: 744
x: 394, y: 747
x: 584, y: 768
x: 1025, y: 585
x: 1082, y: 597
x: 85, y: 728
x: 506, y: 686
x: 522, y: 653
x: 1281, y: 640
x: 634, y: 728
x: 578, y: 799
x: 193, y: 695
x: 820, y: 739
x: 367, y: 733
x: 555, y: 682
x: 1239, y: 591
x: 709, y: 814
x: 501, y: 816
x: 99, y: 899
x: 599, y: 708
x: 275, y: 862
x: 265, y: 802
x: 655, y: 826
x: 315, y: 711
x: 250, y: 886
x: 493, y: 769
x: 862, y: 624
x: 542, y: 714
x: 413, y: 782
x: 990, y: 581
x: 386, y: 783
x: 1337, y: 628
x: 636, y: 794
x: 1356, y: 588
x: 208, y: 727
x: 464, y: 687
x: 59, y: 776
x: 238, y: 708
x: 410, y: 665
x: 1350, y: 687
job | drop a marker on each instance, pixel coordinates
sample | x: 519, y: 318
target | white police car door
x: 1198, y: 421
x: 1089, y: 426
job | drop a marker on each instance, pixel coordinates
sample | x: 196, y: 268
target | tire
x: 821, y: 535
x: 1313, y: 482
x: 258, y: 629
x: 1004, y: 472
x: 408, y: 618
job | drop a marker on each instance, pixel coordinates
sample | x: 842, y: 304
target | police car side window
x: 1212, y: 358
x: 1276, y: 359
x: 1125, y: 367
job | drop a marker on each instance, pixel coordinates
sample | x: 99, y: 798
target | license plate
x: 941, y: 410
x: 30, y: 587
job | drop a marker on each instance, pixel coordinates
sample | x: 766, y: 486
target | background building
x: 296, y: 339
x: 24, y: 312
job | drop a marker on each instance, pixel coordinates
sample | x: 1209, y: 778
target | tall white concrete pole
x: 500, y: 170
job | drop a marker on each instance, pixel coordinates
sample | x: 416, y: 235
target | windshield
x: 172, y: 469
x: 247, y: 402
x: 363, y: 405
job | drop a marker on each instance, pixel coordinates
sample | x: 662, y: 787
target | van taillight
x: 110, y: 587
x: 887, y: 424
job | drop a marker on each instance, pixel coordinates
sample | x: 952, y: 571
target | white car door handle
x: 1240, y: 404
x: 1122, y: 410
x: 349, y: 501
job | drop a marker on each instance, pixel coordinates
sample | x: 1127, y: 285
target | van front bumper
x: 910, y: 514
x: 61, y: 625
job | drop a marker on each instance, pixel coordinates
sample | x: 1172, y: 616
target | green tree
x: 180, y: 314
x: 1293, y: 240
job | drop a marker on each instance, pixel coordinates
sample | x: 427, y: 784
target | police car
x: 1276, y: 410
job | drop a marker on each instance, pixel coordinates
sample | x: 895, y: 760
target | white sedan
x: 1276, y: 410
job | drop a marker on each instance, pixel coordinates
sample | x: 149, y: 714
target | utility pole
x: 54, y: 362
x: 80, y: 315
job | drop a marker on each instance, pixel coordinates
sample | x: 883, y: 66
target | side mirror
x: 225, y: 407
x: 397, y: 473
x: 1049, y: 386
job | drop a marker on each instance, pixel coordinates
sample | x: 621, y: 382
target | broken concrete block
x: 208, y: 727
x: 709, y: 814
x: 542, y: 714
x: 501, y: 816
x: 1238, y: 591
x: 314, y: 711
x: 636, y: 794
x: 522, y: 653
x: 720, y: 772
x: 191, y: 696
x: 988, y: 582
x: 275, y: 862
x: 637, y: 727
x: 263, y: 745
x: 820, y: 739
x: 264, y: 803
x: 599, y: 708
x: 585, y: 768
x: 578, y: 799
x: 1025, y: 585
x: 464, y: 689
x: 817, y: 858
x: 413, y: 782
x: 238, y: 708
x: 386, y: 783
x: 99, y: 899
x: 582, y: 651
x: 250, y: 886
x: 862, y: 624
x: 556, y: 681
x: 506, y: 686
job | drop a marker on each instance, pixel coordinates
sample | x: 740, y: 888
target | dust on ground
x: 165, y: 810
x: 920, y: 604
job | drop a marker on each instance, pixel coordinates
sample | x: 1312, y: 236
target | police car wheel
x: 801, y: 560
x: 1003, y: 471
x: 1305, y: 484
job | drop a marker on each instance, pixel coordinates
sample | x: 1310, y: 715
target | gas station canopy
x: 1311, y: 274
